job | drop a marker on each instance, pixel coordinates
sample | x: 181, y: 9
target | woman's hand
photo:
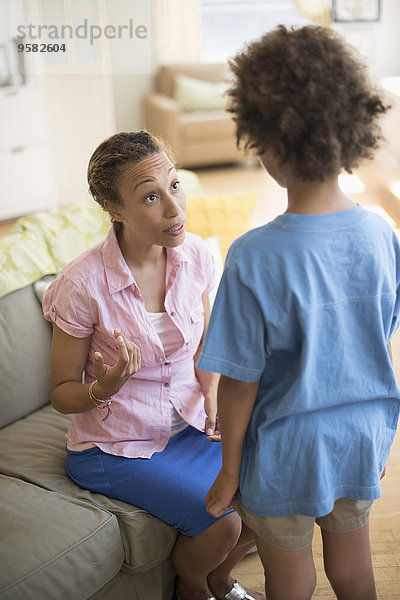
x: 110, y: 379
x: 221, y: 493
x: 211, y: 425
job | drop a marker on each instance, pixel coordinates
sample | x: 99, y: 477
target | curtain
x: 177, y: 30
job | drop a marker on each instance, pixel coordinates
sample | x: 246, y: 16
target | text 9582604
x: 42, y: 48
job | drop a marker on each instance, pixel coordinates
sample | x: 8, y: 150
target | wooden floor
x: 385, y: 519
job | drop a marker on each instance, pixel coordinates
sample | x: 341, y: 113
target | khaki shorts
x: 295, y: 532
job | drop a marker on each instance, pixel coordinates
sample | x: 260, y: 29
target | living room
x: 73, y: 73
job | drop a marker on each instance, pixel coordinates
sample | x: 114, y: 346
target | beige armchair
x: 196, y: 138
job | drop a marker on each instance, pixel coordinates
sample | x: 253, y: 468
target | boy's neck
x: 314, y: 198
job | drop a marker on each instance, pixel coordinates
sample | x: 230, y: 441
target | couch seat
x: 33, y: 449
x: 68, y: 536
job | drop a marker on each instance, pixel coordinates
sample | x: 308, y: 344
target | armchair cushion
x: 167, y: 74
x: 196, y: 94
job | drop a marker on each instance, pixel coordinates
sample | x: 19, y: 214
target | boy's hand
x: 221, y: 493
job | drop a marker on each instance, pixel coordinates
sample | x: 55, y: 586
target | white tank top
x: 171, y: 339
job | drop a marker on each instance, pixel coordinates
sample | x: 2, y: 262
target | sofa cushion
x: 33, y: 449
x: 25, y: 355
x: 77, y: 547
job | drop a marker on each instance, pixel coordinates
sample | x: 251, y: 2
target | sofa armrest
x: 162, y: 102
x: 162, y: 117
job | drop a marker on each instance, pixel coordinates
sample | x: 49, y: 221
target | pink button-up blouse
x: 95, y: 294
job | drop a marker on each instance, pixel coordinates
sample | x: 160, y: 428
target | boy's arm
x: 389, y: 347
x: 235, y: 405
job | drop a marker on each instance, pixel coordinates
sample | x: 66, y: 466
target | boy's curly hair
x: 305, y: 95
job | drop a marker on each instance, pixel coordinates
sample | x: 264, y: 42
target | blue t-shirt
x: 307, y: 305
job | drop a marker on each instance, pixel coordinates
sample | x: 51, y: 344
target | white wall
x: 132, y: 62
x: 80, y: 115
x: 388, y: 40
x: 379, y: 43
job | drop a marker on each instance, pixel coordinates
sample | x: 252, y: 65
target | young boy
x: 300, y: 330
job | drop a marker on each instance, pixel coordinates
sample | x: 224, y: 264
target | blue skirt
x: 171, y: 485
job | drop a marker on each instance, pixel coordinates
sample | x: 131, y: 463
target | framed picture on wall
x: 356, y: 10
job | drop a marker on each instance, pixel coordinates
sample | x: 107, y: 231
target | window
x: 229, y: 24
x: 67, y: 22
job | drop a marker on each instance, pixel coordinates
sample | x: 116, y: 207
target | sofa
x: 59, y: 541
x: 187, y: 110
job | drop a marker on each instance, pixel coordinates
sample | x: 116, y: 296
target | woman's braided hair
x: 111, y: 158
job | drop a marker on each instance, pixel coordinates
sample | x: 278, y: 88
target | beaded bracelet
x: 98, y: 402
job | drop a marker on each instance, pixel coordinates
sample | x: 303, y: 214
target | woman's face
x: 154, y: 205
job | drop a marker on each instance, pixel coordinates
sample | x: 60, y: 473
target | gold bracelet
x: 98, y: 402
x: 93, y: 397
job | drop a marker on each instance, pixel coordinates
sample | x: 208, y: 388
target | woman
x: 130, y: 314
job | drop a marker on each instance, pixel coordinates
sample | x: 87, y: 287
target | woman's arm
x: 235, y: 406
x: 68, y: 359
x: 208, y: 381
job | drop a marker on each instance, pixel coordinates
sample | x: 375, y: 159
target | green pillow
x: 24, y: 258
x: 196, y: 94
x: 69, y: 232
x: 42, y: 243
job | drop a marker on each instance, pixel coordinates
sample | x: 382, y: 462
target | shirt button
x: 167, y: 363
x: 166, y: 384
x: 187, y: 343
x: 53, y: 309
x: 173, y: 314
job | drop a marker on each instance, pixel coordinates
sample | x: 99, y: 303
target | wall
x: 387, y: 61
x: 132, y: 62
x: 79, y: 101
x: 379, y: 43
